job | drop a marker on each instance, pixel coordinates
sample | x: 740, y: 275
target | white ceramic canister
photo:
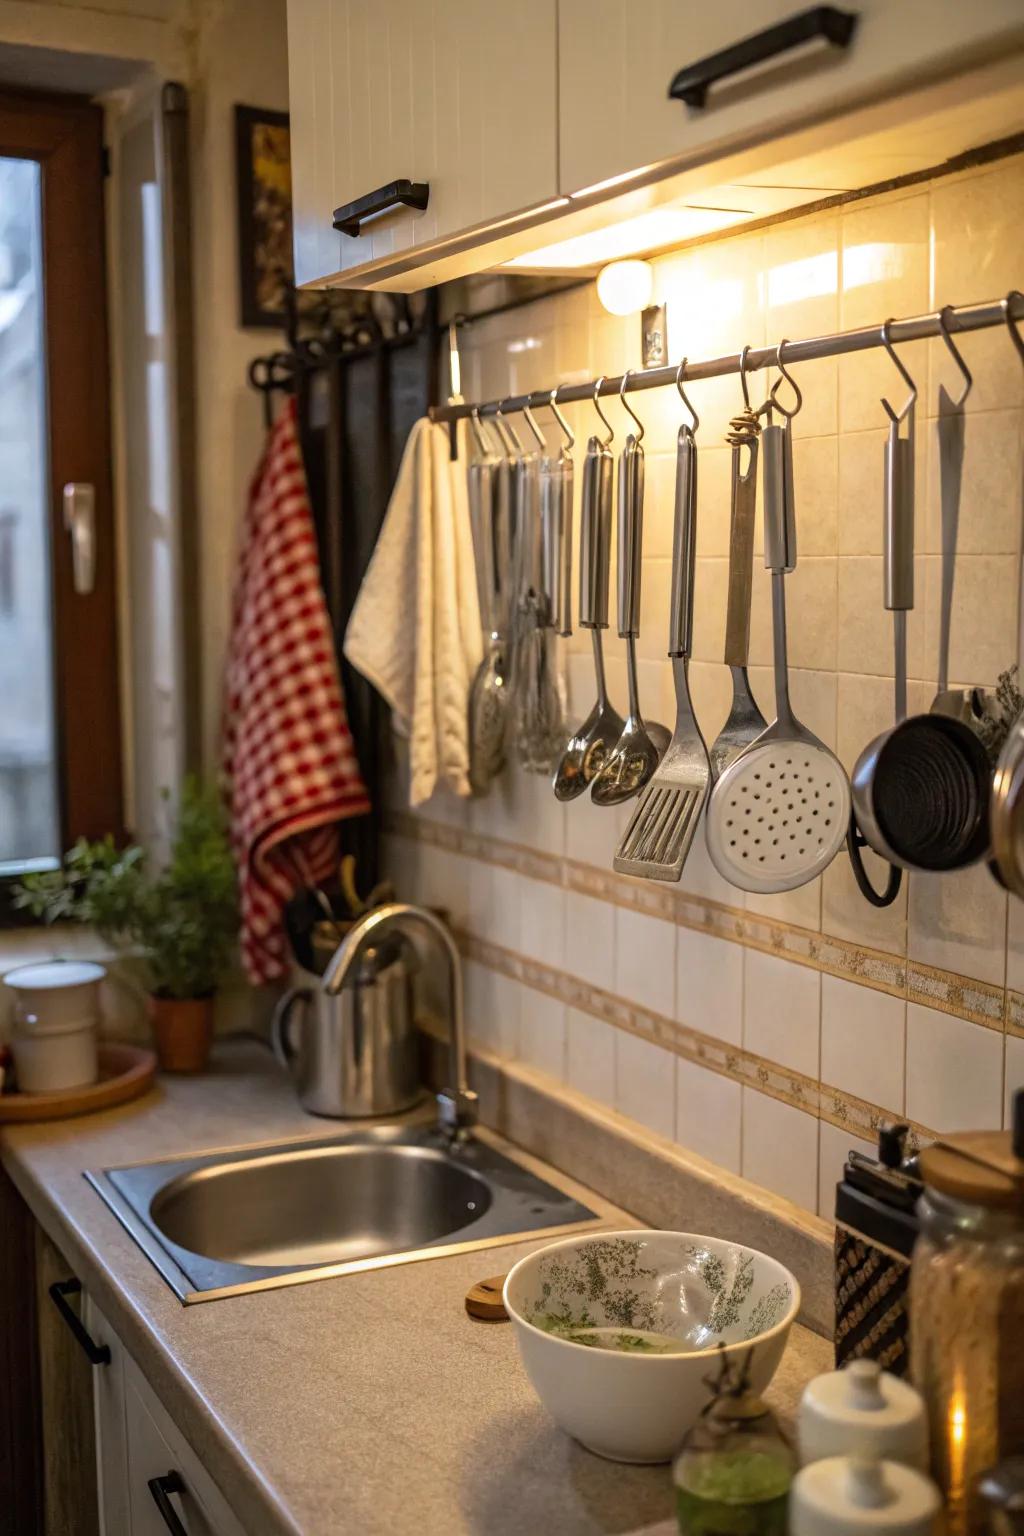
x: 847, y: 1495
x: 60, y: 1056
x: 863, y: 1411
x: 56, y: 992
x: 57, y: 1011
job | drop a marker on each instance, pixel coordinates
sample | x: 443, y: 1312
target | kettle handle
x: 280, y: 1024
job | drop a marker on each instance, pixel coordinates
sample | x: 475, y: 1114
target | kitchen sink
x: 229, y: 1222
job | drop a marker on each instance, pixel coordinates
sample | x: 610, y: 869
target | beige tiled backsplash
x: 769, y: 1034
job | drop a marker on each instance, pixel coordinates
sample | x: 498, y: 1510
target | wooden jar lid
x: 978, y: 1167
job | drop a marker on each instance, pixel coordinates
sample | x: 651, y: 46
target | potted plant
x: 180, y: 918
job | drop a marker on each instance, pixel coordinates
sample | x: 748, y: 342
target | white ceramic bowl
x: 637, y: 1407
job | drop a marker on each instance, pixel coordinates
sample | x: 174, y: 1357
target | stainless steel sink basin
x: 225, y: 1223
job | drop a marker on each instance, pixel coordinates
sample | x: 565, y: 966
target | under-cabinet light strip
x: 967, y: 317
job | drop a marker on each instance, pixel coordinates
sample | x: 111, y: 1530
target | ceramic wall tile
x: 812, y: 694
x: 987, y: 518
x: 982, y: 618
x: 659, y: 509
x: 711, y: 579
x: 782, y: 1011
x: 780, y: 1148
x: 590, y: 1056
x: 801, y: 907
x: 645, y: 1085
x: 976, y: 250
x: 495, y: 905
x: 714, y: 474
x: 861, y: 488
x: 654, y: 605
x: 958, y: 923
x: 885, y: 270
x: 1015, y: 946
x: 863, y: 1042
x: 590, y: 940
x: 1014, y: 1077
x: 492, y: 1009
x: 802, y: 299
x: 834, y: 1148
x: 708, y: 1114
x: 709, y: 985
x: 645, y: 961
x: 542, y: 1033
x: 865, y: 626
x: 542, y: 921
x: 700, y: 877
x: 954, y: 1072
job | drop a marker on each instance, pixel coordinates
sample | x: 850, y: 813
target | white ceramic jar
x: 57, y: 1011
x: 847, y: 1495
x: 863, y: 1411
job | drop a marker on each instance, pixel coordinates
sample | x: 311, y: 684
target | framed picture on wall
x: 264, y: 174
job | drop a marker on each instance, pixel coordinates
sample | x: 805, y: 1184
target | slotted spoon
x: 660, y: 832
x: 779, y: 813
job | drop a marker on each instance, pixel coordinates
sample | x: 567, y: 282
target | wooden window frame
x: 64, y: 135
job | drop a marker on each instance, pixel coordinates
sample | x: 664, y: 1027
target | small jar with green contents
x: 733, y: 1472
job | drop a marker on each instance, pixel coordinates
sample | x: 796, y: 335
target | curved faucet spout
x: 457, y: 1104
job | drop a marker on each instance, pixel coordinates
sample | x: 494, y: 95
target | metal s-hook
x: 784, y: 377
x: 508, y: 433
x: 694, y: 422
x: 531, y: 422
x: 965, y: 372
x: 1011, y: 325
x: 570, y: 435
x: 743, y: 380
x: 628, y: 408
x: 607, y: 441
x: 911, y: 400
x: 482, y: 444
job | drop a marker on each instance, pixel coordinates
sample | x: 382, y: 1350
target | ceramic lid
x: 51, y: 974
x: 862, y: 1393
x: 843, y: 1494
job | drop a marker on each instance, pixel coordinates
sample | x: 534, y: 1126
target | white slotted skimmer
x: 778, y: 814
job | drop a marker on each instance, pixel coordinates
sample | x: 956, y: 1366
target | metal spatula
x: 660, y: 832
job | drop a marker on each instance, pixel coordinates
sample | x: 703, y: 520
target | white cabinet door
x: 617, y: 59
x: 111, y: 1433
x: 459, y: 94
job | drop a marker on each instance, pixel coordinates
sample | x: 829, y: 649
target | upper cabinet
x: 525, y: 125
x: 625, y: 54
x: 458, y: 96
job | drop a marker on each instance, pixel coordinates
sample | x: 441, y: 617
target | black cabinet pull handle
x: 827, y: 22
x: 161, y: 1488
x: 99, y: 1354
x: 397, y: 194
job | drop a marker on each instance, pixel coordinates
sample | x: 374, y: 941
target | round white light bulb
x: 624, y: 287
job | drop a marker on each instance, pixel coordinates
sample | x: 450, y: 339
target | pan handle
x: 631, y: 526
x: 595, y: 536
x: 684, y: 539
x: 855, y: 841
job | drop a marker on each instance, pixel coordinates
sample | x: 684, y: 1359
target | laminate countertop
x: 364, y: 1403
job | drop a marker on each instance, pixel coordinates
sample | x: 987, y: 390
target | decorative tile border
x: 819, y: 1100
x: 1015, y: 1014
x: 967, y: 998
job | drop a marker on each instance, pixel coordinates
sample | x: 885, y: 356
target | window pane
x: 29, y: 820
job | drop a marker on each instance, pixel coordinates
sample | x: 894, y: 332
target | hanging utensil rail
x: 967, y: 317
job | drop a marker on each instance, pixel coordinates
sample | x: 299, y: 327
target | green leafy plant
x: 181, y: 917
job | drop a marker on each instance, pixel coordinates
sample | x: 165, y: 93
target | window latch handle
x: 80, y: 522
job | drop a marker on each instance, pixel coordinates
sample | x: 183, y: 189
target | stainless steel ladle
x: 640, y: 747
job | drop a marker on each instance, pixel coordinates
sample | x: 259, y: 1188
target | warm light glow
x: 809, y: 278
x: 876, y: 261
x: 625, y: 287
x: 645, y: 232
x: 956, y: 1449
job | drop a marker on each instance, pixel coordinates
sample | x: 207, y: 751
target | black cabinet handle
x: 397, y: 194
x: 99, y: 1354
x: 837, y: 27
x: 161, y: 1488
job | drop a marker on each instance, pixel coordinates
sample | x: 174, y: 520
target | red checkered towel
x: 289, y: 762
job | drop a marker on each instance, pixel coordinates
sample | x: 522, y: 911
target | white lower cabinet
x: 150, y: 1481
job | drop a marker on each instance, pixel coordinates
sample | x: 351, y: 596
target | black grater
x: 876, y: 1229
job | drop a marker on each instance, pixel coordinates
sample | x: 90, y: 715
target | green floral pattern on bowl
x: 700, y: 1293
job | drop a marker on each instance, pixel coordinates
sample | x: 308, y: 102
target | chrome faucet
x: 457, y: 1104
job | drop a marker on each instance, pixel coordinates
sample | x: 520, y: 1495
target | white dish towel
x: 415, y: 628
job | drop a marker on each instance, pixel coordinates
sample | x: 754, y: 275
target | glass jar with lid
x: 967, y: 1309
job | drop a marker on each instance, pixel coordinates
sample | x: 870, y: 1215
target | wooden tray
x: 126, y: 1071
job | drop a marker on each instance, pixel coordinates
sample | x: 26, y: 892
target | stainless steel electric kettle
x: 353, y: 1054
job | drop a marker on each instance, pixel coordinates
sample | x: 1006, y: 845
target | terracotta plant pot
x: 182, y: 1032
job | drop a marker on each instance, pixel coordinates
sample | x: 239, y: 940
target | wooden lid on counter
x: 979, y: 1167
